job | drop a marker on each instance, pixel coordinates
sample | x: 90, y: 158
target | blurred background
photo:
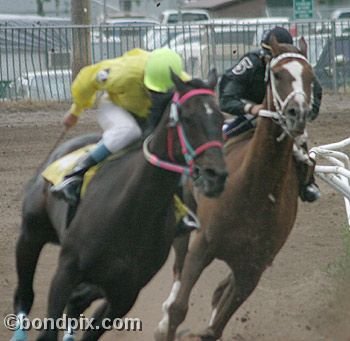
x: 44, y: 43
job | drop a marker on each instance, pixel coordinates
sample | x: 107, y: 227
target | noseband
x: 189, y: 153
x: 279, y: 104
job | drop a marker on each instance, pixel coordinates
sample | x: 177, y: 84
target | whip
x: 58, y: 141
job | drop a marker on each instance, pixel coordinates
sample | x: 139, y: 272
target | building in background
x: 29, y: 7
x: 104, y: 9
x: 230, y: 8
x: 99, y: 8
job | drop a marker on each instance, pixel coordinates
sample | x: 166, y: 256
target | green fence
x: 35, y: 62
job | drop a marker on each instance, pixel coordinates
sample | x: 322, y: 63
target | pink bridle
x: 187, y: 151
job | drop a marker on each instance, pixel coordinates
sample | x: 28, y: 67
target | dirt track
x: 304, y: 296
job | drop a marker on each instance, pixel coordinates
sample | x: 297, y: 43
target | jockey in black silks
x: 242, y: 89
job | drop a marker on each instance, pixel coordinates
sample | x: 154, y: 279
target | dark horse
x: 251, y: 220
x: 124, y: 226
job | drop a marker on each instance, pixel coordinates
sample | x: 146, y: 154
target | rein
x: 189, y: 153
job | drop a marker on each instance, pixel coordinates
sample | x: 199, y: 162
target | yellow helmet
x: 157, y: 75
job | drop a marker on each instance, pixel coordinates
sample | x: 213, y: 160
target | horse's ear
x: 212, y: 78
x: 303, y: 46
x: 275, y: 49
x: 179, y: 84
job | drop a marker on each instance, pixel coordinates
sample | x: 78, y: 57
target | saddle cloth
x: 56, y: 171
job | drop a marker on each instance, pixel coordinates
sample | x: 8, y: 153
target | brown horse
x: 124, y: 226
x: 249, y: 223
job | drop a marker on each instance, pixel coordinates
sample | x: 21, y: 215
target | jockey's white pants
x: 119, y: 126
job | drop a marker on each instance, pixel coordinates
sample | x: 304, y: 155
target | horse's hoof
x: 186, y: 335
x: 19, y: 335
x: 190, y: 337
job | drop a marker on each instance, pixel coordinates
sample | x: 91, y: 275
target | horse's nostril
x: 210, y: 173
x: 292, y: 112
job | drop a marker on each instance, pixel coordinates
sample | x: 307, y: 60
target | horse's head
x: 194, y: 138
x: 291, y: 81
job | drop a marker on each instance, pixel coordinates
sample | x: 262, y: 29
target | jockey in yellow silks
x: 136, y: 88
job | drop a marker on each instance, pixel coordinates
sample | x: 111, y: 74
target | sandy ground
x: 303, y: 296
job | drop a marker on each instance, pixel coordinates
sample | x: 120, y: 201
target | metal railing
x: 336, y: 168
x: 35, y: 62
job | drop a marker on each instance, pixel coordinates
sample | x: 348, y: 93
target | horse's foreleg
x: 118, y: 305
x: 234, y: 290
x: 79, y: 301
x: 95, y: 330
x: 176, y: 306
x: 220, y: 290
x: 62, y: 286
x: 180, y: 245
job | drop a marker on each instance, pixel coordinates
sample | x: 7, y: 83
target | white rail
x: 337, y: 172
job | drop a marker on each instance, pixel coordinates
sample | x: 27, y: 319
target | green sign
x: 303, y: 9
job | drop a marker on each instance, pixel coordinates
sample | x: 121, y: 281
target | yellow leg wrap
x: 181, y: 210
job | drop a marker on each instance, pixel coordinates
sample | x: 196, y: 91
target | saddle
x: 55, y: 172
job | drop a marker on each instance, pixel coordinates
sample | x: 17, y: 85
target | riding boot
x: 70, y: 187
x: 308, y: 189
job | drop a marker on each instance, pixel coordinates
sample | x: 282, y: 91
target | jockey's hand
x: 256, y: 108
x: 70, y: 120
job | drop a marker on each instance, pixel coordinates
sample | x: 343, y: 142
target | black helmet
x: 280, y: 33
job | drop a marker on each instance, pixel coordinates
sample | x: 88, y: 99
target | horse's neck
x: 162, y: 144
x: 159, y: 147
x: 267, y: 154
x: 159, y: 143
